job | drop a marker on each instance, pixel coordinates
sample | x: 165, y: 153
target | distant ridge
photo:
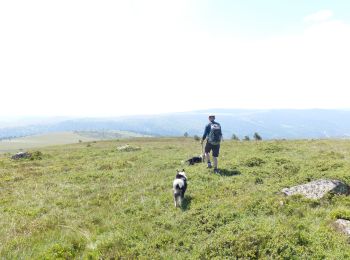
x: 270, y: 124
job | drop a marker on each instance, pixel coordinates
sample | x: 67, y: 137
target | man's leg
x: 207, y: 154
x: 215, y: 159
x: 216, y: 150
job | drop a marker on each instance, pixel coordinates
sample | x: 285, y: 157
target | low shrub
x: 254, y: 162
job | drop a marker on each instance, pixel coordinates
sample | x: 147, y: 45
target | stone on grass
x: 21, y: 155
x: 319, y: 188
x: 128, y: 148
x: 343, y: 226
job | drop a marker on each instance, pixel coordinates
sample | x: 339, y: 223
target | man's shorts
x: 211, y: 147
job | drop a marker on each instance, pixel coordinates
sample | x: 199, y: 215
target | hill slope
x: 80, y: 201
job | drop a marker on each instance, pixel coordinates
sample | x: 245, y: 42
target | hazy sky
x: 103, y: 58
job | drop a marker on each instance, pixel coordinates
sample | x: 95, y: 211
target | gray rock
x: 128, y: 148
x: 21, y: 155
x: 343, y: 226
x: 317, y: 189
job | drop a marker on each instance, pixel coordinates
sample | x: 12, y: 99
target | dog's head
x: 181, y: 174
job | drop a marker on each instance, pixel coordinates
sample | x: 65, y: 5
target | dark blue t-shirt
x: 208, y: 128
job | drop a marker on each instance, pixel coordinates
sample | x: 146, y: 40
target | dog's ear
x: 177, y: 171
x: 183, y: 170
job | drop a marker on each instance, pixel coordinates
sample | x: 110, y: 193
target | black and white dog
x: 195, y: 159
x: 179, y: 187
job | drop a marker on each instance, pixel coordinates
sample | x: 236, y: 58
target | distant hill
x: 270, y: 124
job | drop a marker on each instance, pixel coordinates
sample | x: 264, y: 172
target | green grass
x: 91, y: 201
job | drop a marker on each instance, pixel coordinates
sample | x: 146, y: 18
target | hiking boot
x: 209, y: 165
x: 216, y: 171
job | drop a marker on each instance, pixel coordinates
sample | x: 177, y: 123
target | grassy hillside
x: 90, y: 200
x: 42, y: 140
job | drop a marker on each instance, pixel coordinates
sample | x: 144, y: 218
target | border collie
x: 179, y: 187
x: 195, y: 159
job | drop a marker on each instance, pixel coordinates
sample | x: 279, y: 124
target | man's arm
x: 206, y: 132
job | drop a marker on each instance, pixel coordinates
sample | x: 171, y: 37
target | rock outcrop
x: 21, y: 155
x: 128, y: 148
x: 343, y: 226
x: 319, y: 188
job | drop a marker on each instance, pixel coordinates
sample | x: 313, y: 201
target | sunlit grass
x: 91, y: 200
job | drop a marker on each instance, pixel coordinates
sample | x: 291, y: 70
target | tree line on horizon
x: 256, y: 137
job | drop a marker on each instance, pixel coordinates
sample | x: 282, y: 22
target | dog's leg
x: 182, y: 198
x: 175, y: 201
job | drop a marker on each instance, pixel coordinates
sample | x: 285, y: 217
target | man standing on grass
x: 213, y: 132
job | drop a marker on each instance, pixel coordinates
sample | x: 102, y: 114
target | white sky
x: 105, y: 58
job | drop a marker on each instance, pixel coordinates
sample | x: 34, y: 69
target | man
x: 214, y: 134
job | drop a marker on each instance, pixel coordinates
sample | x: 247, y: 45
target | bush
x: 235, y: 137
x: 257, y: 137
x: 253, y: 162
x: 37, y: 155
